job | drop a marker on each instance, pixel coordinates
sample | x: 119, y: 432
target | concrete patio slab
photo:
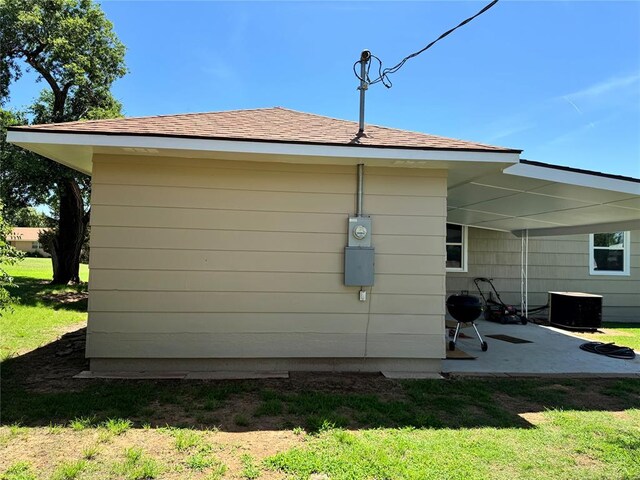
x: 553, y: 352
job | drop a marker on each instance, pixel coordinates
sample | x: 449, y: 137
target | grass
x: 137, y: 466
x: 185, y: 439
x: 19, y: 471
x: 564, y: 445
x: 69, y: 470
x: 627, y: 334
x: 117, y: 426
x: 250, y: 470
x: 38, y: 317
x: 82, y: 423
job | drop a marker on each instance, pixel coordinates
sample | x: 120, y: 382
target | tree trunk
x: 67, y: 243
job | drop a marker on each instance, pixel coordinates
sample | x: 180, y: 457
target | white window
x: 609, y: 253
x: 456, y: 248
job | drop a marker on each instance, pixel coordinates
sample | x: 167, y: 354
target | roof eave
x: 76, y: 150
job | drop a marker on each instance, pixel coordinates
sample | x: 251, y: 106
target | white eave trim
x: 257, y: 147
x: 581, y: 229
x: 573, y: 178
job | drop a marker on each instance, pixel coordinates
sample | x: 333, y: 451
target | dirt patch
x: 65, y: 297
x: 52, y: 366
x: 45, y: 450
x: 534, y: 418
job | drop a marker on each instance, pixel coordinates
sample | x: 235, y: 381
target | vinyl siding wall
x: 219, y: 259
x: 555, y: 264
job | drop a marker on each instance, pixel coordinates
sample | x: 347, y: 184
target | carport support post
x: 524, y: 273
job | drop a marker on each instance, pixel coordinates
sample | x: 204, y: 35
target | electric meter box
x: 359, y: 232
x: 358, y: 266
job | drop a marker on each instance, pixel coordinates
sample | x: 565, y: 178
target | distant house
x: 26, y: 240
x: 270, y: 239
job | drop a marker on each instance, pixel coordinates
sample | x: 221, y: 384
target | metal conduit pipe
x: 360, y: 191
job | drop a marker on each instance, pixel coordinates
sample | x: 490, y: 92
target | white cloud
x: 608, y: 86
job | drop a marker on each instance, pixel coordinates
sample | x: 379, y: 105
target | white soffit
x: 546, y: 201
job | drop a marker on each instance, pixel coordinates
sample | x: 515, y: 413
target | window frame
x: 626, y: 256
x: 464, y: 244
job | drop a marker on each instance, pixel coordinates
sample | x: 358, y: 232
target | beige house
x: 26, y: 239
x: 274, y: 240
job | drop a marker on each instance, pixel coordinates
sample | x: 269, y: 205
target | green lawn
x: 40, y: 315
x: 337, y: 426
x: 627, y: 334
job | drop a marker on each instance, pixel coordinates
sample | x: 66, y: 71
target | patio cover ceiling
x: 545, y: 200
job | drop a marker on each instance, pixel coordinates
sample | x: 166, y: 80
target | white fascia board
x: 401, y: 156
x: 573, y: 178
x: 579, y: 229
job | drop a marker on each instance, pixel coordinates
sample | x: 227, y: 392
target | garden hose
x: 609, y: 349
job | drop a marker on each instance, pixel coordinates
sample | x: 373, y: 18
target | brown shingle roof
x: 266, y: 125
x: 25, y: 234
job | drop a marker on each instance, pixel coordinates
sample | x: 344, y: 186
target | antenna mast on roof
x: 365, y: 58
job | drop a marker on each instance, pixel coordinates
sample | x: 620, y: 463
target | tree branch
x: 45, y: 74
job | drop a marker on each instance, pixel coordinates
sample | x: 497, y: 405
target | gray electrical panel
x: 358, y: 266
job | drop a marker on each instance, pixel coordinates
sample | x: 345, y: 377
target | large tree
x: 71, y: 46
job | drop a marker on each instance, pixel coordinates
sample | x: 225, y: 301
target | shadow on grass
x: 620, y: 325
x: 33, y: 292
x: 38, y: 390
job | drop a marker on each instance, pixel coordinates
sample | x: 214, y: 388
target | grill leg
x: 455, y: 336
x: 477, y: 332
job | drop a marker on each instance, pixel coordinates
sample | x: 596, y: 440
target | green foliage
x: 8, y: 256
x: 72, y: 47
x: 69, y: 43
x: 28, y: 217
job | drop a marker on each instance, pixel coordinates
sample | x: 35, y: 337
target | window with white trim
x: 456, y: 244
x: 609, y: 253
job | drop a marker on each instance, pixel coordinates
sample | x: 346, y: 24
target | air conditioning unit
x: 575, y: 310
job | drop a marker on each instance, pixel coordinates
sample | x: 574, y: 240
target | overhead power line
x: 383, y: 74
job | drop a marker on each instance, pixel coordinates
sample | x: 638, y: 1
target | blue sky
x: 560, y: 80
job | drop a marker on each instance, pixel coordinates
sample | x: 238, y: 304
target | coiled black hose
x: 609, y: 349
